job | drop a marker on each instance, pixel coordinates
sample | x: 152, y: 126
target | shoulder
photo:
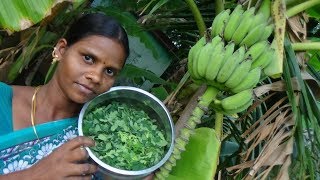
x: 6, y: 92
x: 5, y: 87
x: 14, y: 90
x: 13, y: 99
x: 22, y: 93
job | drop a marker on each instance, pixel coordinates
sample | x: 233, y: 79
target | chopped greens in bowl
x: 126, y: 137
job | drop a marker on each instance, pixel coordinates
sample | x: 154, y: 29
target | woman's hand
x: 149, y: 177
x: 66, y: 162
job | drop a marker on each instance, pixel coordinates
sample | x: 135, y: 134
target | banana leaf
x: 133, y: 72
x: 314, y: 12
x: 17, y: 15
x: 200, y: 159
x: 148, y: 57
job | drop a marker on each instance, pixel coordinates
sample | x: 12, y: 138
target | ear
x: 61, y: 47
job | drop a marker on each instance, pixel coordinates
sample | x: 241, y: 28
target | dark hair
x: 97, y: 24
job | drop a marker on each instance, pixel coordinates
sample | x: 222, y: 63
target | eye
x: 88, y: 59
x: 109, y: 72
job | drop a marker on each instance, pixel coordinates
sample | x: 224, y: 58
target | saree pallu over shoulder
x: 21, y: 149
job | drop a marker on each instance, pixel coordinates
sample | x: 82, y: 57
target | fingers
x: 84, y: 153
x: 149, y: 177
x: 74, y: 151
x: 80, y: 141
x: 85, y: 177
x: 82, y: 169
x: 78, y: 155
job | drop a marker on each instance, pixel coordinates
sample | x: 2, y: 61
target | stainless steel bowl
x: 142, y: 100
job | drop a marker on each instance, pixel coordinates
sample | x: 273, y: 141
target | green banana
x: 190, y: 60
x: 216, y: 105
x: 219, y: 23
x: 250, y: 81
x: 257, y: 49
x: 196, y: 75
x: 228, y: 51
x: 238, y: 74
x: 244, y: 26
x: 266, y: 33
x: 233, y: 23
x: 230, y: 65
x: 215, y: 62
x: 204, y: 58
x: 237, y: 100
x: 265, y: 59
x: 242, y: 51
x: 215, y: 40
x: 265, y: 9
x: 199, y: 45
x: 239, y: 109
x: 191, y: 55
x: 254, y: 35
x: 257, y: 20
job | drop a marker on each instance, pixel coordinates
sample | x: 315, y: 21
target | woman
x: 38, y: 125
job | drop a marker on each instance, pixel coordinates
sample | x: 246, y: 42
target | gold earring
x: 55, y: 57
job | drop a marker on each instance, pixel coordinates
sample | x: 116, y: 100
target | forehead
x: 98, y: 42
x: 101, y: 47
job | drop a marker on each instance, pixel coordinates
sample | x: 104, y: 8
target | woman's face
x: 88, y: 67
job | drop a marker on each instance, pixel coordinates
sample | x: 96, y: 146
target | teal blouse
x: 21, y: 149
x: 5, y: 109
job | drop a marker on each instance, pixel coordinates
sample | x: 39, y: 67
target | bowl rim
x: 122, y: 171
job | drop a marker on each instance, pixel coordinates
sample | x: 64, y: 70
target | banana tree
x: 26, y: 47
x: 25, y: 38
x: 284, y: 114
x: 275, y: 133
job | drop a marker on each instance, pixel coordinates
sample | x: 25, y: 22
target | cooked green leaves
x: 126, y: 138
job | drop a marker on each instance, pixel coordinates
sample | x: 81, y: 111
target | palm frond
x: 272, y: 134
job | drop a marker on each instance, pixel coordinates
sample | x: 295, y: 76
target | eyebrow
x: 88, y: 53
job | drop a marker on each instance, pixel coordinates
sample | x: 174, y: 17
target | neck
x: 53, y: 104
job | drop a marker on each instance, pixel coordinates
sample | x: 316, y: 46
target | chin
x: 82, y: 99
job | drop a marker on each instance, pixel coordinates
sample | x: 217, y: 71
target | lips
x: 85, y: 89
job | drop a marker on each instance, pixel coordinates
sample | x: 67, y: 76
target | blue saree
x: 21, y: 149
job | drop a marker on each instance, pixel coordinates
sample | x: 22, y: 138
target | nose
x: 94, y: 76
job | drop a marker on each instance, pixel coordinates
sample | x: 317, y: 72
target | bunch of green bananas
x: 244, y: 27
x: 224, y: 68
x: 233, y: 57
